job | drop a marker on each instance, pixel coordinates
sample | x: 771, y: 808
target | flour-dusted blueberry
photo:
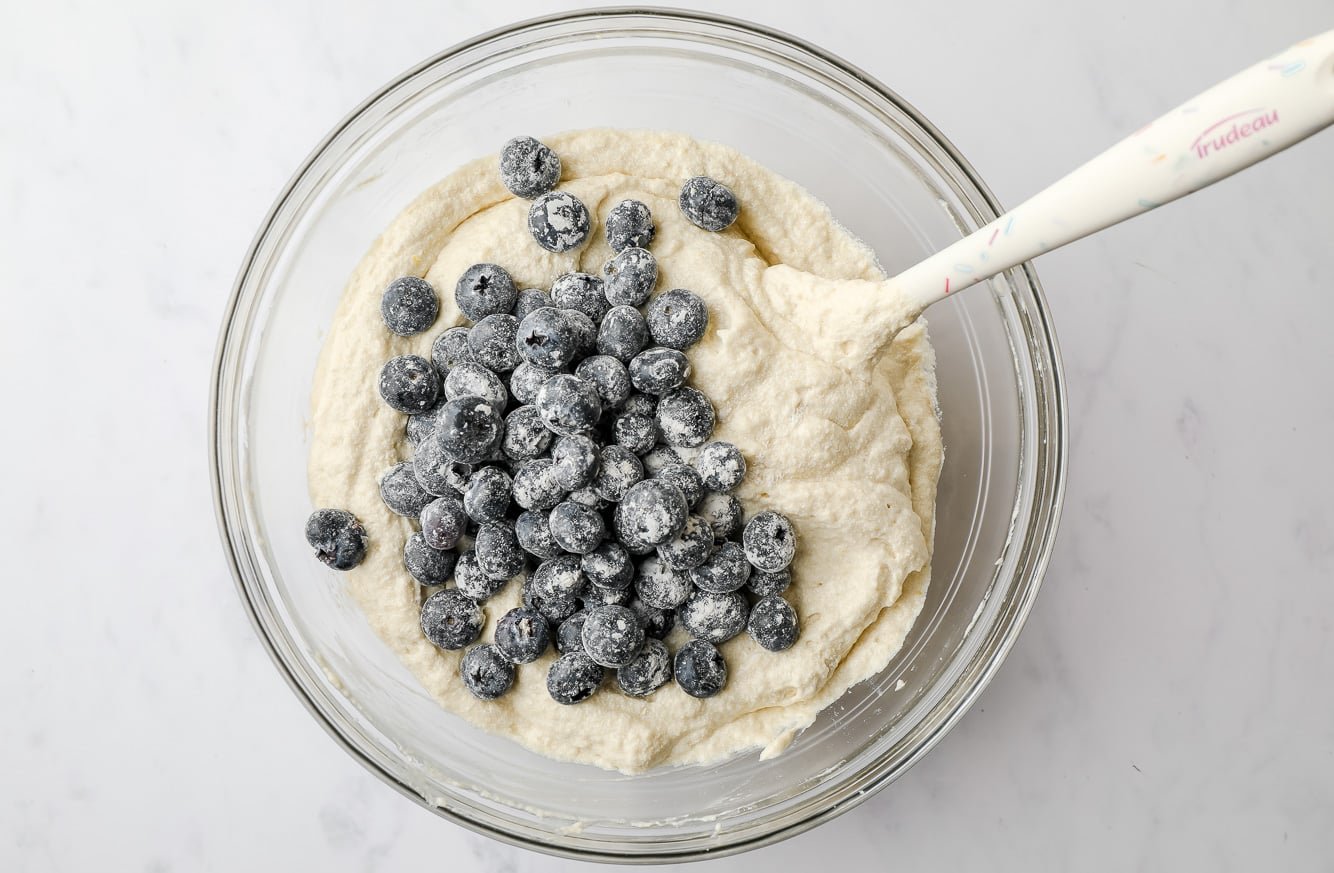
x: 699, y: 668
x: 573, y: 678
x: 558, y: 221
x: 401, y: 492
x: 472, y: 379
x: 533, y: 531
x: 420, y: 426
x: 612, y: 635
x: 427, y: 565
x: 658, y: 623
x: 686, y: 478
x: 622, y: 334
x: 763, y: 584
x: 608, y: 377
x: 536, y: 486
x: 575, y: 460
x: 568, y: 405
x: 450, y: 349
x: 690, y: 547
x: 629, y: 223
x: 658, y: 370
x: 526, y: 379
x: 723, y: 512
x: 522, y: 635
x: 770, y: 541
x: 724, y: 571
x: 485, y: 289
x: 660, y: 456
x: 635, y: 432
x: 652, y: 511
x: 588, y: 497
x: 472, y: 581
x: 570, y: 633
x: 685, y: 418
x: 443, y: 521
x: 530, y: 299
x: 487, y: 497
x: 608, y: 566
x: 498, y: 552
x: 469, y: 430
x: 630, y: 277
x: 595, y: 597
x: 492, y: 342
x: 660, y: 585
x: 721, y: 465
x: 640, y: 404
x: 648, y: 671
x: 582, y: 292
x: 528, y: 168
x: 409, y: 384
x: 526, y: 437
x: 339, y: 540
x: 773, y: 623
x: 436, y: 470
x: 485, y: 672
x: 619, y: 470
x: 451, y: 620
x: 554, y: 609
x: 546, y: 338
x: 585, y: 332
x: 409, y: 306
x: 714, y: 617
x: 576, y: 528
x: 560, y: 576
x: 677, y: 319
x: 708, y: 203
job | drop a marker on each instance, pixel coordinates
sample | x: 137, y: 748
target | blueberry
x: 660, y: 586
x: 724, y: 571
x: 773, y: 623
x: 640, y: 404
x: 522, y: 635
x: 658, y: 370
x: 700, y: 669
x: 763, y: 584
x: 677, y: 319
x: 485, y: 672
x: 660, y: 457
x: 690, y: 547
x: 558, y: 577
x: 420, y: 425
x: 722, y: 511
x: 608, y: 566
x: 498, y: 552
x: 409, y: 306
x: 588, y: 497
x: 635, y: 432
x: 581, y: 292
x: 471, y: 379
x: 708, y: 203
x: 770, y: 541
x: 536, y: 486
x: 401, y: 492
x: 487, y: 497
x: 685, y: 418
x: 450, y: 620
x: 427, y: 565
x: 713, y: 617
x: 658, y: 623
x: 443, y: 521
x: 630, y: 277
x: 652, y: 511
x: 485, y: 289
x: 528, y: 168
x: 436, y: 470
x: 570, y: 633
x: 576, y: 528
x: 409, y: 384
x: 469, y: 430
x: 554, y: 609
x: 526, y: 437
x: 573, y: 677
x: 585, y: 332
x: 568, y: 405
x: 648, y: 671
x: 623, y: 333
x: 530, y: 299
x: 595, y: 597
x: 546, y: 338
x: 576, y: 461
x: 629, y: 223
x: 525, y: 381
x: 491, y: 341
x: 534, y: 534
x: 686, y: 478
x: 337, y: 537
x: 472, y: 581
x: 612, y: 635
x: 619, y: 470
x: 451, y: 349
x: 608, y: 377
x: 721, y: 465
x: 558, y: 221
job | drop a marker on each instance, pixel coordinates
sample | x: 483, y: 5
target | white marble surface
x: 1170, y: 705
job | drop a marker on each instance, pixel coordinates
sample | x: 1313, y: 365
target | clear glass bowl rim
x: 1035, y: 532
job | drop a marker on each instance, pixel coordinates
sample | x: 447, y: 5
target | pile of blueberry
x: 548, y: 437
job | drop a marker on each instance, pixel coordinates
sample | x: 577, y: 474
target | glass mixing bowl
x: 887, y: 174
